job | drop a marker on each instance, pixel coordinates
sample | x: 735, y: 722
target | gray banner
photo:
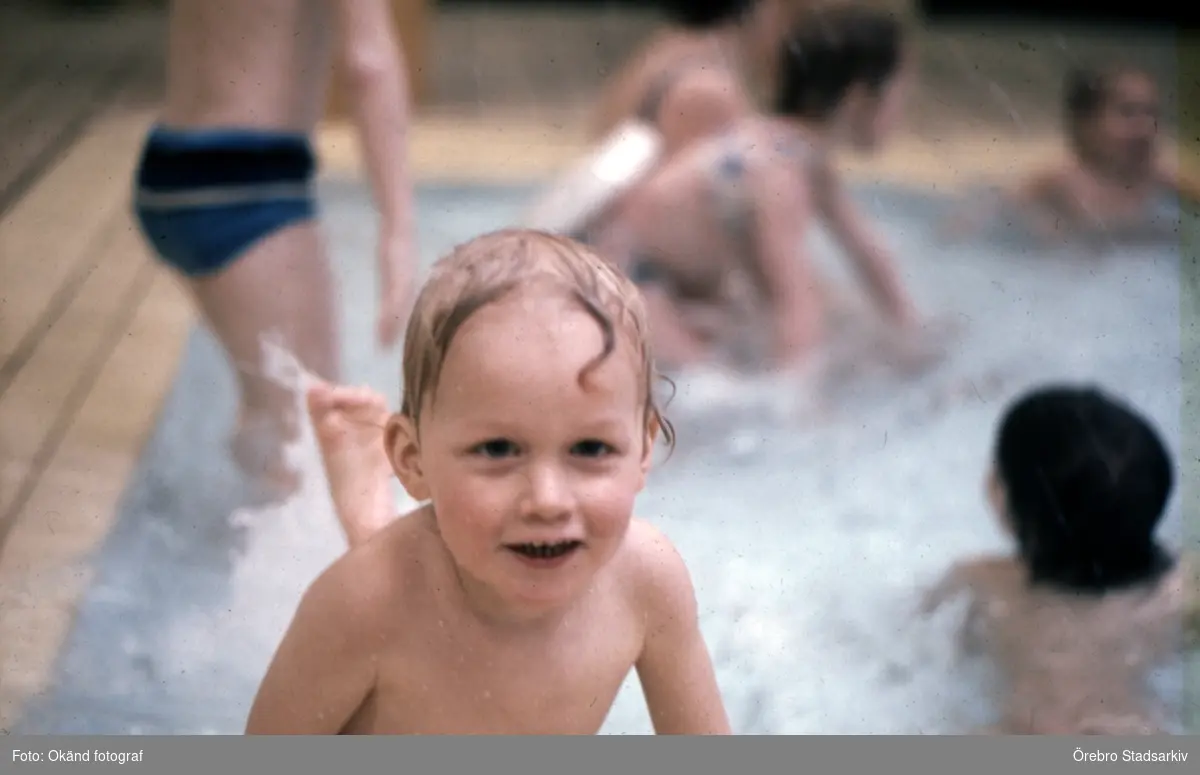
x: 607, y: 755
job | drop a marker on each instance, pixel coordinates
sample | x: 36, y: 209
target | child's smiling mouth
x: 545, y: 555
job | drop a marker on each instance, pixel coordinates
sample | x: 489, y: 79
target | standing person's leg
x: 282, y: 286
x: 233, y: 212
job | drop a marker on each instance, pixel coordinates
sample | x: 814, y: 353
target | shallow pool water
x: 809, y: 539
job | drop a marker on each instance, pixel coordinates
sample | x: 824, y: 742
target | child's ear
x: 404, y: 452
x: 997, y: 496
x: 653, y: 428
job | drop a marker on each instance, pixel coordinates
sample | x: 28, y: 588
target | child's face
x: 1126, y: 127
x: 514, y: 452
x: 874, y: 116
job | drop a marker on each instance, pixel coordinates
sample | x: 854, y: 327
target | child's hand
x: 970, y: 637
x: 948, y: 586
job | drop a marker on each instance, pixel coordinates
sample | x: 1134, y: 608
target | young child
x: 1090, y: 602
x: 705, y: 69
x: 1114, y: 181
x: 691, y: 81
x: 716, y: 236
x: 519, y: 597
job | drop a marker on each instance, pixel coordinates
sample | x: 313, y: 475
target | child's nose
x: 548, y: 496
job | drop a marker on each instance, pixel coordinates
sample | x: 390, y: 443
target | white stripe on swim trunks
x: 228, y: 195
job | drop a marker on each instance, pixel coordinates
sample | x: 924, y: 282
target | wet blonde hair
x: 488, y: 268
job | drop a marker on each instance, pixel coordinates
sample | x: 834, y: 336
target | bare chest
x: 446, y: 685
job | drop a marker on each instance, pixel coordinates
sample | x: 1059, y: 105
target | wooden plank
x: 443, y: 148
x: 43, y: 569
x: 32, y: 405
x: 61, y: 104
x: 18, y: 98
x: 19, y: 71
x: 45, y: 238
x: 69, y: 94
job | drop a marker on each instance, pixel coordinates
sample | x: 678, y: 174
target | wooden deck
x: 91, y: 328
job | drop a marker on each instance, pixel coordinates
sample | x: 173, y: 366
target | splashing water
x: 289, y: 545
x: 810, y: 526
x: 810, y: 540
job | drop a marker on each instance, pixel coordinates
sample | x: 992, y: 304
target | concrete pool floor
x: 91, y: 331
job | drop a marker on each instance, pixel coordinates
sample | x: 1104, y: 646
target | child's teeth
x: 545, y: 551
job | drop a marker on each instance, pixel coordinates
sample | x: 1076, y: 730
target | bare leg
x: 349, y: 425
x: 282, y: 284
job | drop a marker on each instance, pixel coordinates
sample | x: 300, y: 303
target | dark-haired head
x: 703, y: 14
x: 832, y: 51
x: 1085, y: 482
x: 1124, y: 95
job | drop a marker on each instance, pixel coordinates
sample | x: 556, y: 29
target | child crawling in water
x: 1114, y: 181
x: 518, y: 598
x: 717, y: 236
x: 1077, y: 619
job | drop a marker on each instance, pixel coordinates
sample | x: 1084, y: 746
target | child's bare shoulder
x: 1169, y: 599
x: 983, y: 578
x: 653, y: 571
x: 373, y: 577
x: 992, y: 571
x: 985, y: 572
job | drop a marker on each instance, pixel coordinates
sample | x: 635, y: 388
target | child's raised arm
x: 322, y: 671
x: 783, y: 273
x: 675, y: 668
x: 873, y: 261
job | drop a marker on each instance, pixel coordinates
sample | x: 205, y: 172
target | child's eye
x: 496, y: 448
x: 591, y: 448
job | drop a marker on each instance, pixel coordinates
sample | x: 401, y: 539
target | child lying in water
x: 517, y: 599
x: 1114, y: 182
x: 715, y: 237
x: 1090, y: 602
